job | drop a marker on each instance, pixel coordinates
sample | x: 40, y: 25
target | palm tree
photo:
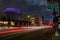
x: 9, y: 21
x: 3, y: 18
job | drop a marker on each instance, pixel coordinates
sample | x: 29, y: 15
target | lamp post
x: 28, y: 17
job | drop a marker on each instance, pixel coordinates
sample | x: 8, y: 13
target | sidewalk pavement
x: 56, y: 36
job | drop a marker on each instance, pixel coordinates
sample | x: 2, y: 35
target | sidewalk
x: 56, y: 36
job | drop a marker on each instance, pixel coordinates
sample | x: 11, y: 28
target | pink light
x: 6, y: 31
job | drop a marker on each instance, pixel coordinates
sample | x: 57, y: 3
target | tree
x: 3, y: 18
x: 9, y: 21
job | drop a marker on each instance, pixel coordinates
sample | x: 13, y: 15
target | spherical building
x: 13, y: 13
x: 12, y: 10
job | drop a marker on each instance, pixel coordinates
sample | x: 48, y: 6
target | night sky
x: 29, y: 6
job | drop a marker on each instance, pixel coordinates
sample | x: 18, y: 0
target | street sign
x: 53, y: 5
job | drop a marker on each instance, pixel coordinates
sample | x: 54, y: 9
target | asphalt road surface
x: 38, y: 34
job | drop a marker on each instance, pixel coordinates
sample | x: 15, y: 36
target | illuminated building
x: 34, y: 19
x: 11, y: 14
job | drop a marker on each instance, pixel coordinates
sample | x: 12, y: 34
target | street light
x: 28, y: 16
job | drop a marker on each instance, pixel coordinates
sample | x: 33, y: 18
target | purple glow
x: 12, y: 10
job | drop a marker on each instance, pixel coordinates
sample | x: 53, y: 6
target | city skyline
x: 30, y: 6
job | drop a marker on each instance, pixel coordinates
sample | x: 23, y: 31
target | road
x: 38, y: 34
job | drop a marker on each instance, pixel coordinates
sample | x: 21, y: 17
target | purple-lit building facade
x: 13, y: 13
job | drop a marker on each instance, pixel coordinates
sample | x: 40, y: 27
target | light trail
x: 20, y: 29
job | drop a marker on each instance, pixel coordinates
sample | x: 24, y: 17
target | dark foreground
x: 39, y: 34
